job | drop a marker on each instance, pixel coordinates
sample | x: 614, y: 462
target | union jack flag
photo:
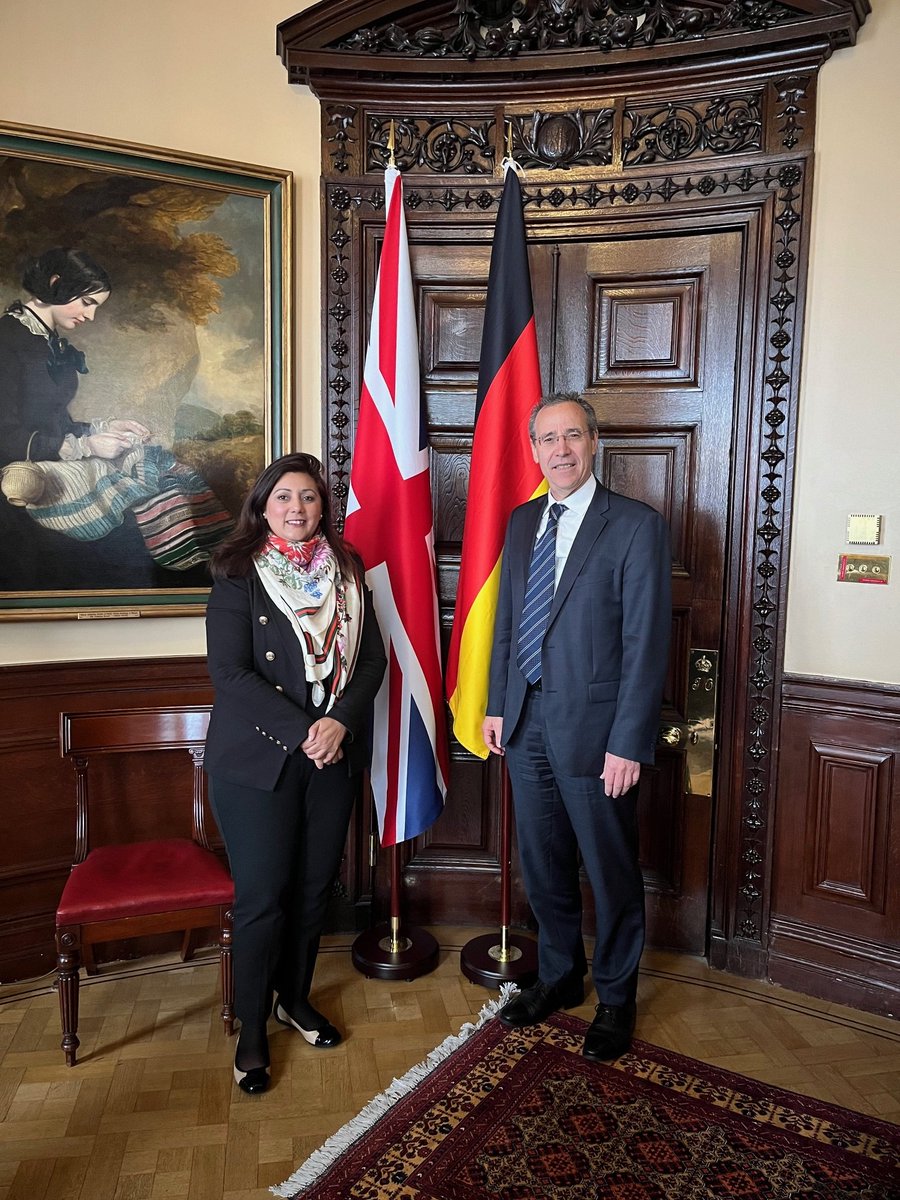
x: 389, y: 521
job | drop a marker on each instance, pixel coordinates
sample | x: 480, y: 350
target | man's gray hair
x: 564, y: 398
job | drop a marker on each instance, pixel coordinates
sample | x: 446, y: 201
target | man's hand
x: 492, y: 732
x: 619, y: 774
x: 323, y: 744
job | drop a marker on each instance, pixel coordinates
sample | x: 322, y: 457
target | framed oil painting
x: 144, y: 368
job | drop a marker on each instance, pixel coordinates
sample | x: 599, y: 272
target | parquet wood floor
x: 150, y: 1111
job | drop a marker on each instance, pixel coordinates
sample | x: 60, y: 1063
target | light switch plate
x: 863, y: 529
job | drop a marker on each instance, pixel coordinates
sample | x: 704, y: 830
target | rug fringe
x: 320, y: 1160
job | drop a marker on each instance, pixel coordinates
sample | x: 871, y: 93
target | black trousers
x: 284, y: 847
x: 558, y: 815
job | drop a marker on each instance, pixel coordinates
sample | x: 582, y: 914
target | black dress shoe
x: 254, y: 1081
x: 323, y: 1036
x: 609, y: 1035
x: 537, y: 1002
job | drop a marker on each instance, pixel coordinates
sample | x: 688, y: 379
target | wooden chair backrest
x: 83, y: 735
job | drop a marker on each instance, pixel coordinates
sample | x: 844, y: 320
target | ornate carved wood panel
x: 653, y: 116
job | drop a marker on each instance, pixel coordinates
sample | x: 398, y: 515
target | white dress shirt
x: 569, y: 523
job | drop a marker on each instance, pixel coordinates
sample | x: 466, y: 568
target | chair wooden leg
x: 227, y: 972
x: 87, y: 959
x: 187, y: 945
x: 67, y: 964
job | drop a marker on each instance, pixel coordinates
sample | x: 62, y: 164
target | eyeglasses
x: 572, y: 437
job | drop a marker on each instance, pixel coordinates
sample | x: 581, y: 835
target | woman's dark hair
x: 73, y: 274
x: 234, y: 557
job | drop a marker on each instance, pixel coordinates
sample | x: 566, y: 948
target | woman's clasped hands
x: 109, y: 439
x: 323, y: 742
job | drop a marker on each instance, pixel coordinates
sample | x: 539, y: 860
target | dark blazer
x: 34, y: 415
x: 604, y: 655
x: 262, y: 710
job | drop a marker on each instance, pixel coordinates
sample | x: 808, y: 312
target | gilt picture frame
x: 189, y: 348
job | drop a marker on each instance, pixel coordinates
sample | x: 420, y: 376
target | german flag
x: 503, y: 472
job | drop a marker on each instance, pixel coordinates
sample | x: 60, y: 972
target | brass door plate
x: 703, y: 678
x: 864, y: 568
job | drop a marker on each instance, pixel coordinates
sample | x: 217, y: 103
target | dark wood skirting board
x: 834, y: 930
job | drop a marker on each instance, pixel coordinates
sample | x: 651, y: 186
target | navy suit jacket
x: 605, y: 653
x: 262, y: 711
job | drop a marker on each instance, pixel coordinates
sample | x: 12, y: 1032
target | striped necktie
x: 538, y: 598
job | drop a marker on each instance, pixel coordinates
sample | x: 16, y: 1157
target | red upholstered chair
x: 145, y: 887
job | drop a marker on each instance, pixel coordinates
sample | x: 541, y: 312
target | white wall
x: 848, y: 457
x: 204, y: 77
x: 200, y: 76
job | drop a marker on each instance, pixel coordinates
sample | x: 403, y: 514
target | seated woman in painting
x: 86, y: 504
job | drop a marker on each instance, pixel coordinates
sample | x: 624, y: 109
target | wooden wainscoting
x: 835, y: 923
x: 38, y: 843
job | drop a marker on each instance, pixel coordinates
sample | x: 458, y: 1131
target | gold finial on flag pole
x: 509, y: 162
x: 390, y: 145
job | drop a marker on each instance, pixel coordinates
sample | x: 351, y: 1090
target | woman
x: 39, y: 369
x: 296, y: 658
x: 70, y: 514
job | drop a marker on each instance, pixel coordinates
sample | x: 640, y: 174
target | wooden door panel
x: 645, y: 331
x: 656, y: 468
x: 451, y: 317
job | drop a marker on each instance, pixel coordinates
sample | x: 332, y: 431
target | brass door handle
x: 670, y: 735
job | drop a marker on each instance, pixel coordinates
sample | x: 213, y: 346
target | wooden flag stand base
x: 392, y: 950
x: 513, y: 958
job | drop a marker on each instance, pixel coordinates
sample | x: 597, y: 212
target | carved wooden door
x: 647, y: 328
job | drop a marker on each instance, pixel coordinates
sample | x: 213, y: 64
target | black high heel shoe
x: 324, y: 1036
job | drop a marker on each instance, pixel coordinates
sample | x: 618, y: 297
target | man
x: 577, y: 670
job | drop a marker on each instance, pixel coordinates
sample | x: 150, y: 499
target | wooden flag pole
x: 392, y: 949
x: 514, y: 958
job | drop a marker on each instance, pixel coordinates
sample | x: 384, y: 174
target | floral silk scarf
x: 325, y: 610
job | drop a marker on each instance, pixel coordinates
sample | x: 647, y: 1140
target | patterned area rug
x: 503, y: 1115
